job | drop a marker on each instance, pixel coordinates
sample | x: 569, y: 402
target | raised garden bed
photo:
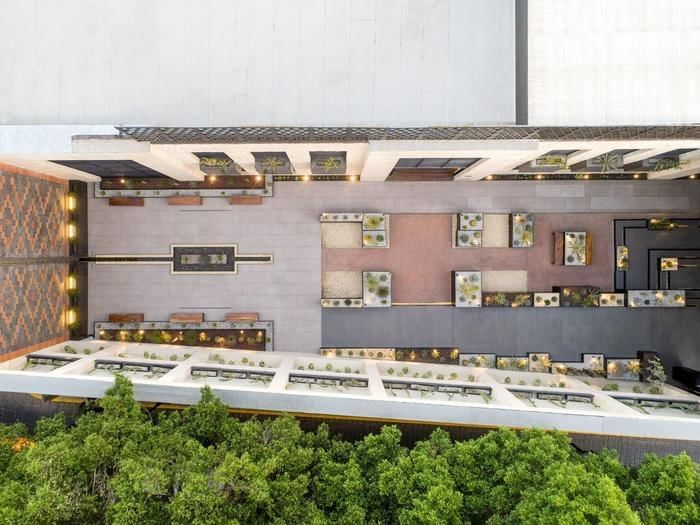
x: 469, y: 239
x: 255, y: 335
x: 328, y: 162
x: 428, y: 355
x: 478, y: 360
x: 656, y: 298
x: 376, y: 289
x: 539, y: 362
x: 466, y: 289
x: 470, y: 222
x: 522, y: 230
x: 576, y: 248
x: 247, y: 376
x: 342, y: 303
x: 624, y: 368
x: 512, y: 363
x: 622, y: 254
x: 546, y: 299
x: 578, y: 296
x: 221, y: 186
x: 612, y: 300
x: 374, y: 239
x: 506, y: 299
x: 341, y: 217
x: 590, y: 365
x: 360, y: 353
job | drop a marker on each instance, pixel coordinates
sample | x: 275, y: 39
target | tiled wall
x: 32, y: 295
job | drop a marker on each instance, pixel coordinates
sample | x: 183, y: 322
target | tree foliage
x: 118, y: 464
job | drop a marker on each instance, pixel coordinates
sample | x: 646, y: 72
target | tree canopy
x: 119, y: 464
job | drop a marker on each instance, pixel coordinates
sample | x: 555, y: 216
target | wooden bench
x: 184, y: 200
x: 126, y: 201
x: 193, y: 317
x: 558, y: 249
x: 245, y: 199
x: 125, y: 318
x: 242, y: 316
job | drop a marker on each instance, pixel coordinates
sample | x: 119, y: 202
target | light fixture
x: 305, y: 178
x: 72, y: 283
x: 489, y: 177
x: 539, y: 176
x: 71, y: 317
x: 585, y: 176
x: 212, y: 178
x: 71, y: 231
x: 692, y: 177
x: 636, y: 175
x: 353, y: 178
x: 71, y: 202
x: 122, y: 180
x: 258, y: 178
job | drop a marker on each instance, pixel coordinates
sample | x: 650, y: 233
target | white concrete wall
x: 257, y: 62
x: 595, y: 62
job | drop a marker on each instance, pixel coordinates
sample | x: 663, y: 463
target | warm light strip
x: 71, y: 230
x: 72, y: 283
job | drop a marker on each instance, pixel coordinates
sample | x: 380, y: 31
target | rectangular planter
x: 470, y: 222
x: 478, y: 360
x: 376, y: 289
x: 546, y: 299
x: 522, y: 230
x: 466, y: 289
x: 576, y: 249
x: 612, y: 300
x: 469, y: 239
x: 656, y: 298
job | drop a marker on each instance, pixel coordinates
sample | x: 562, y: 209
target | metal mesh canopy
x: 166, y: 135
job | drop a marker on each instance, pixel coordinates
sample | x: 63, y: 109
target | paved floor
x: 421, y: 257
x: 287, y: 225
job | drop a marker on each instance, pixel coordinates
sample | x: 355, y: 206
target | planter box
x: 466, y: 289
x: 478, y: 360
x: 611, y: 300
x: 470, y: 222
x: 577, y: 250
x: 591, y: 365
x: 522, y: 230
x: 668, y: 264
x: 578, y: 296
x: 328, y: 162
x: 624, y: 369
x: 546, y: 299
x: 506, y: 299
x: 512, y: 363
x: 372, y: 222
x: 242, y: 316
x: 273, y: 163
x: 376, y: 289
x: 469, y: 239
x: 381, y: 354
x: 374, y: 239
x: 656, y: 298
x: 341, y: 303
x: 341, y: 217
x: 125, y: 318
x: 539, y: 362
x: 622, y: 258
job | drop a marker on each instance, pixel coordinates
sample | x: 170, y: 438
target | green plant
x: 637, y: 389
x: 69, y: 349
x: 215, y: 162
x: 577, y: 246
x: 173, y: 357
x: 611, y: 387
x: 330, y: 164
x: 390, y: 371
x: 657, y: 374
x: 500, y: 299
x: 662, y: 223
x: 668, y: 164
x: 270, y: 164
x: 654, y: 390
x: 507, y: 380
x: 553, y: 160
x: 608, y: 162
x: 329, y: 366
x: 453, y: 376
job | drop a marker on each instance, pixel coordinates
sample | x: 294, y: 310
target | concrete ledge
x: 245, y: 199
x: 185, y: 201
x: 126, y: 201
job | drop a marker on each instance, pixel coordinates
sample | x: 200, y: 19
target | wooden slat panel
x: 185, y: 200
x: 192, y: 317
x: 242, y: 316
x: 126, y: 318
x: 126, y: 201
x: 245, y: 199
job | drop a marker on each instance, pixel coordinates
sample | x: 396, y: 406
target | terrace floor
x: 421, y: 256
x: 288, y: 291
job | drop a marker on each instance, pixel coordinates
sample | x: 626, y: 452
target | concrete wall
x: 612, y: 62
x: 257, y: 62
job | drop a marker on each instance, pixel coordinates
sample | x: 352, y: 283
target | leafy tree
x: 667, y: 490
x: 571, y: 495
x: 607, y: 463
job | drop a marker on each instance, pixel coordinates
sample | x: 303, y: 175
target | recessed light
x: 692, y: 177
x: 636, y: 175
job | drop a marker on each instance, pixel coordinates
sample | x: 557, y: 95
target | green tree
x: 571, y: 496
x: 667, y: 490
x: 607, y: 463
